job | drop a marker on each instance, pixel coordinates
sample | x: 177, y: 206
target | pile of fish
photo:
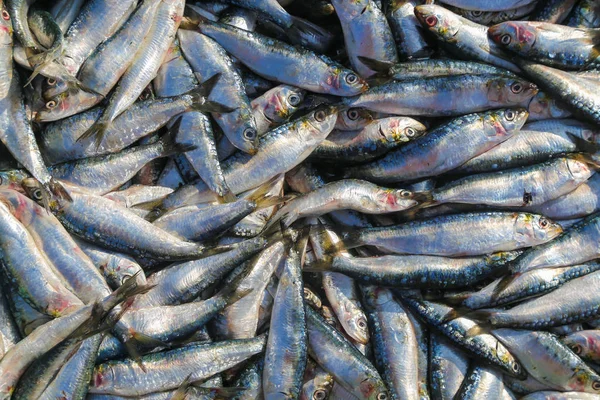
x: 299, y: 199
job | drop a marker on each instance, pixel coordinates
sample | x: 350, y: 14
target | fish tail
x: 300, y: 28
x: 169, y: 143
x: 201, y: 93
x: 97, y: 130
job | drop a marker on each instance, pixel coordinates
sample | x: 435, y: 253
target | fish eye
x: 51, y: 81
x: 596, y: 385
x: 5, y: 15
x: 505, y: 39
x: 351, y: 79
x: 319, y: 394
x: 516, y: 367
x: 51, y: 104
x: 37, y: 194
x: 577, y: 349
x: 125, y: 277
x: 362, y: 324
x: 509, y: 115
x: 516, y: 88
x: 382, y: 396
x: 294, y: 99
x: 543, y: 222
x: 405, y: 193
x: 320, y: 116
x: 410, y: 132
x: 477, y: 13
x: 431, y: 20
x: 353, y: 114
x: 250, y: 134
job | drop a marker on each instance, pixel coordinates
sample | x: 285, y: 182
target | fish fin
x: 456, y: 299
x: 170, y: 145
x: 300, y: 26
x: 264, y: 189
x: 220, y: 392
x: 228, y: 197
x: 181, y: 392
x: 97, y: 130
x: 134, y: 354
x: 271, y: 201
x: 504, y: 282
x: 478, y: 329
x: 594, y: 36
x: 214, y: 107
x: 147, y: 341
x: 457, y: 312
x: 582, y: 144
x: 376, y: 65
x: 317, y: 266
x: 205, y: 88
x: 58, y: 190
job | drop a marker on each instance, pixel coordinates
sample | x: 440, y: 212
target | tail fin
x: 382, y: 67
x: 202, y: 92
x: 97, y: 130
x: 169, y: 144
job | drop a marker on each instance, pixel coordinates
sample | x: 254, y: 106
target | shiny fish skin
x: 576, y: 305
x: 496, y: 5
x: 445, y: 95
x: 420, y: 270
x: 443, y: 149
x: 395, y: 343
x: 127, y: 378
x: 481, y: 382
x: 448, y: 367
x: 366, y: 34
x: 463, y: 37
x: 410, y: 41
x: 573, y: 91
x: 444, y: 67
x: 561, y: 368
x: 283, y: 370
x: 518, y: 187
x: 445, y: 235
x: 285, y: 64
x: 550, y: 44
x: 484, y: 346
x: 585, y: 15
x: 529, y: 284
x: 239, y: 125
x: 373, y: 140
x: 356, y: 374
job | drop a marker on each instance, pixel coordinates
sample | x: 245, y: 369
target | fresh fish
x: 283, y: 370
x: 444, y: 148
x: 495, y: 5
x: 449, y: 367
x: 464, y: 38
x: 445, y: 95
x: 283, y: 63
x: 126, y: 378
x: 550, y: 44
x: 276, y: 106
x: 554, y: 11
x: 374, y: 140
x: 481, y: 382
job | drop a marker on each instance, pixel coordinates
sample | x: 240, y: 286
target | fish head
x: 390, y: 200
x: 317, y: 388
x: 351, y: 119
x: 500, y: 123
x: 373, y: 389
x: 52, y: 87
x: 344, y: 82
x: 281, y: 102
x: 581, y: 343
x: 543, y: 106
x: 508, y: 91
x: 242, y: 125
x: 6, y: 27
x: 440, y: 21
x: 117, y: 270
x: 400, y: 129
x: 579, y: 167
x: 66, y: 104
x: 514, y: 35
x: 585, y: 381
x: 320, y: 122
x: 536, y: 229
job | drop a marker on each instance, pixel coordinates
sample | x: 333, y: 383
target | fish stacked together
x: 304, y: 199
